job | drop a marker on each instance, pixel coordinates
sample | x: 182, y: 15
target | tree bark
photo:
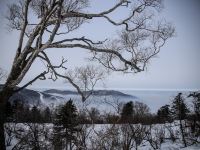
x: 183, y: 134
x: 5, y: 94
x: 2, y: 136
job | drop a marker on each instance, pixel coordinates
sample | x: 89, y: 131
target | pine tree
x: 67, y: 122
x: 47, y: 115
x: 35, y: 114
x: 163, y: 114
x: 18, y: 110
x: 127, y: 112
x: 196, y: 103
x: 195, y: 126
x: 179, y: 111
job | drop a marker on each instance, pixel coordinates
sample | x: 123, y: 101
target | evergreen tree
x: 195, y: 126
x: 179, y: 111
x: 27, y: 114
x: 127, y: 112
x: 67, y: 122
x: 163, y: 114
x: 35, y: 114
x: 196, y: 103
x: 47, y: 115
x: 18, y: 110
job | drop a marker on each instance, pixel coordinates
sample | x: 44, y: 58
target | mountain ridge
x: 94, y: 93
x: 56, y: 97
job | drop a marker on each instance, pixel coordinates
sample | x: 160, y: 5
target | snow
x: 94, y: 131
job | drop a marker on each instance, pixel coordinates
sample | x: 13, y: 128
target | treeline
x: 130, y: 112
x: 19, y: 112
x: 126, y: 129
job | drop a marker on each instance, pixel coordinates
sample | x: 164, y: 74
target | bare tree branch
x: 86, y: 78
x: 40, y: 76
x: 25, y: 13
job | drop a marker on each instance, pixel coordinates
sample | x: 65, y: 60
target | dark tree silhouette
x: 18, y: 110
x: 67, y: 123
x: 196, y: 103
x: 47, y: 115
x: 195, y: 127
x: 164, y: 114
x: 35, y: 115
x: 179, y: 111
x: 127, y: 112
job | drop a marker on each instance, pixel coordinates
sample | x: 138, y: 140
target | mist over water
x: 153, y: 98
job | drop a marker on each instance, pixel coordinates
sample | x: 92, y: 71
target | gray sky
x: 176, y: 67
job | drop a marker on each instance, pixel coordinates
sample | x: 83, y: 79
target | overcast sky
x: 176, y: 67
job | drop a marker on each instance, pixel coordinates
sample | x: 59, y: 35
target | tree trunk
x: 5, y: 94
x: 2, y: 136
x: 183, y: 135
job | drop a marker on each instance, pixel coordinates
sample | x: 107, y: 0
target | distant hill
x: 55, y: 97
x: 62, y: 92
x: 32, y: 97
x: 94, y: 93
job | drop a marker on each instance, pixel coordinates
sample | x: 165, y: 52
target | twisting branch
x: 41, y: 76
x: 75, y: 13
x: 83, y: 79
x: 82, y: 39
x: 56, y: 74
x: 95, y: 49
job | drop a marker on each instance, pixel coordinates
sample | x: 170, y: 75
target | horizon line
x: 123, y: 89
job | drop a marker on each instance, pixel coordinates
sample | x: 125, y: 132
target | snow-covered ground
x: 23, y: 135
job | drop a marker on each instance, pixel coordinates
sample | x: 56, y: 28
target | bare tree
x: 9, y: 131
x: 107, y: 137
x: 172, y: 136
x: 140, y: 39
x: 83, y: 136
x: 138, y: 134
x: 86, y: 78
x: 115, y: 104
x: 32, y: 136
x: 155, y: 137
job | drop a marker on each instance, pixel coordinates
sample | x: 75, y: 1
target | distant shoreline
x: 116, y: 89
